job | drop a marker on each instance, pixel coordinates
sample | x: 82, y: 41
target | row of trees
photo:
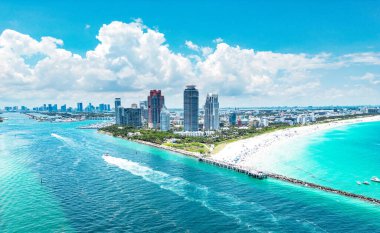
x: 161, y: 137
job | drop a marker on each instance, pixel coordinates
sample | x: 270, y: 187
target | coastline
x: 275, y: 139
x: 254, y: 152
x: 188, y: 153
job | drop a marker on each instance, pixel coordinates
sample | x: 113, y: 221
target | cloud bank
x: 132, y: 58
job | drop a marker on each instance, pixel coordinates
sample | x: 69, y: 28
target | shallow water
x: 140, y: 188
x: 336, y: 158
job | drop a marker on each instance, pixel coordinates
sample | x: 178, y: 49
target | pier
x: 250, y: 172
x: 323, y: 188
x: 263, y: 175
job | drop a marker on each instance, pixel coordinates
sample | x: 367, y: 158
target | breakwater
x: 263, y: 175
x: 250, y: 172
x: 259, y: 174
x: 323, y: 188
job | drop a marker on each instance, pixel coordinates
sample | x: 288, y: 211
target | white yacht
x: 375, y: 179
x: 358, y: 182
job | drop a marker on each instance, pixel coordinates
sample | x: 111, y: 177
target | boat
x: 375, y: 179
x: 366, y: 182
x: 106, y: 154
x: 358, y: 182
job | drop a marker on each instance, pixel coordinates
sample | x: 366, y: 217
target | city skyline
x: 264, y: 61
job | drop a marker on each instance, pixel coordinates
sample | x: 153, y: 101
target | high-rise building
x: 117, y: 112
x: 79, y: 107
x: 102, y: 107
x: 63, y: 108
x: 164, y: 119
x: 144, y: 110
x: 90, y: 108
x: 155, y: 103
x: 55, y: 108
x: 211, y: 119
x: 232, y: 118
x: 130, y: 116
x: 191, y: 108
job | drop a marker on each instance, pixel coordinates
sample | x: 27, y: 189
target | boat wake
x: 220, y: 202
x: 63, y: 139
x: 196, y: 193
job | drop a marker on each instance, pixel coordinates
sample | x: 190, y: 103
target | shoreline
x: 255, y: 152
x: 187, y: 153
x: 253, y: 171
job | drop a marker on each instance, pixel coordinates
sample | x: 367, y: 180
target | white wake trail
x: 63, y: 139
x: 190, y: 191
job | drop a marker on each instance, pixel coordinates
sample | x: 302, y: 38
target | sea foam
x: 192, y: 191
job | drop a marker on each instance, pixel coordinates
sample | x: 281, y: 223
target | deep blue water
x: 144, y: 189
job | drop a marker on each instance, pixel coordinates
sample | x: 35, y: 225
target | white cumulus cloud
x: 132, y: 58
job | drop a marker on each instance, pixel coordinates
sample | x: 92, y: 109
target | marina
x: 96, y: 126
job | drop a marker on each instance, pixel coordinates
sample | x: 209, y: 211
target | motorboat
x: 358, y: 182
x: 106, y: 154
x: 375, y: 179
x: 366, y: 182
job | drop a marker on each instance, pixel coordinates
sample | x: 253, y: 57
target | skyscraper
x: 117, y: 112
x: 190, y: 108
x: 102, y: 107
x: 63, y: 108
x: 89, y: 108
x: 164, y: 119
x: 211, y: 120
x: 144, y: 110
x: 232, y: 118
x: 50, y: 108
x: 79, y: 107
x: 155, y: 103
x: 130, y: 116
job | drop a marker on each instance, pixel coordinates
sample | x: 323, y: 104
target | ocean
x: 337, y: 158
x: 53, y: 178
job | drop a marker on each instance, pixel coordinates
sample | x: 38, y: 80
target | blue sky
x: 345, y: 30
x: 280, y: 26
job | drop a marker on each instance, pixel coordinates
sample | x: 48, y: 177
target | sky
x: 252, y: 53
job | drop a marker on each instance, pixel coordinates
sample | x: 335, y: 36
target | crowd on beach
x: 254, y: 152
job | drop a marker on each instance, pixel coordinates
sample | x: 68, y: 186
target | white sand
x: 256, y: 152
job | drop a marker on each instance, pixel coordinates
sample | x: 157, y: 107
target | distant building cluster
x: 155, y: 115
x: 63, y: 108
x: 192, y: 120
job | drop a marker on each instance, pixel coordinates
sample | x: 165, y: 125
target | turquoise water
x: 147, y: 189
x: 337, y: 158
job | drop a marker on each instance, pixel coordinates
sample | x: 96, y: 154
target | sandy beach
x: 257, y: 152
